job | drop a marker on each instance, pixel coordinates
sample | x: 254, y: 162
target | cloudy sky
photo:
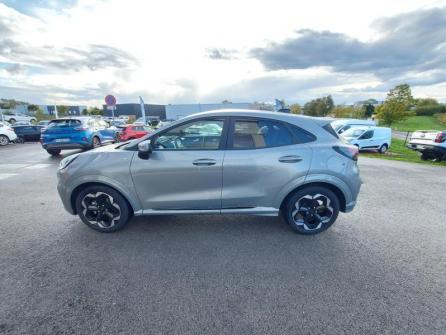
x: 76, y: 52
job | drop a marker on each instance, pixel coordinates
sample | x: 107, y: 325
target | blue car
x: 77, y: 133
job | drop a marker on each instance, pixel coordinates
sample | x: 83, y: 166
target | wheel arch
x: 81, y: 187
x: 335, y: 189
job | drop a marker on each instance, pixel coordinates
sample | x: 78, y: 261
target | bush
x: 429, y: 110
x: 442, y: 118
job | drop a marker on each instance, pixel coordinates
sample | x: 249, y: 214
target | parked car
x: 7, y: 134
x: 219, y: 162
x: 430, y: 143
x: 12, y: 117
x: 77, y: 133
x: 27, y: 133
x: 43, y: 123
x: 131, y: 132
x: 342, y: 125
x: 369, y: 138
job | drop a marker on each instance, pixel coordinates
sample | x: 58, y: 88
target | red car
x: 131, y: 131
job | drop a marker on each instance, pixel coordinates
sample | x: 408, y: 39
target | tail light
x: 440, y: 138
x: 349, y: 151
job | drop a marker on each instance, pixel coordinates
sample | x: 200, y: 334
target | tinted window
x: 304, y: 136
x: 196, y: 135
x: 256, y: 134
x: 64, y: 123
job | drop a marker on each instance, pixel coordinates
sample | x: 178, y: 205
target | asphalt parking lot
x: 379, y: 270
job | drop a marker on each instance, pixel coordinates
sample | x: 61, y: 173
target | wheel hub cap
x: 312, y: 211
x: 100, y: 209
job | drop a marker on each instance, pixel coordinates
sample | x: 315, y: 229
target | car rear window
x: 64, y: 123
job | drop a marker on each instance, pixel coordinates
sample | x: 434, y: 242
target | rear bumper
x: 65, y: 146
x: 427, y: 147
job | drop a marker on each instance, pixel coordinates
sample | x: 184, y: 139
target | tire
x: 424, y: 157
x: 53, y: 152
x: 116, y: 138
x: 4, y: 140
x: 315, y: 202
x: 20, y: 140
x: 96, y: 142
x: 115, y: 209
x: 383, y: 148
x: 33, y: 121
x: 12, y: 121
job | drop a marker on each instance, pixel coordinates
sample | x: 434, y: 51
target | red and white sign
x: 110, y: 100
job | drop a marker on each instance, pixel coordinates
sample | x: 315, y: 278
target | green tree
x: 94, y: 111
x: 295, y: 109
x: 62, y: 110
x: 401, y: 94
x: 391, y: 111
x: 319, y: 107
x: 348, y: 112
x: 33, y: 108
x: 369, y: 110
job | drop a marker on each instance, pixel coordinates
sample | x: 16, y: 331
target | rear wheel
x: 102, y: 208
x: 96, y: 142
x: 20, y: 140
x: 12, y: 121
x: 4, y: 140
x: 383, y: 148
x: 53, y: 152
x: 311, y: 210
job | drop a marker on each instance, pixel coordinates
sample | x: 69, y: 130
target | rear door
x: 262, y: 158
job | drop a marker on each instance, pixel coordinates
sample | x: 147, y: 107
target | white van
x: 345, y: 124
x: 369, y: 138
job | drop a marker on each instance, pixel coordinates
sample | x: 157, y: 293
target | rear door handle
x: 204, y: 162
x: 290, y: 159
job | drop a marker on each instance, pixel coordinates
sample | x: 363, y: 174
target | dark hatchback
x: 27, y: 133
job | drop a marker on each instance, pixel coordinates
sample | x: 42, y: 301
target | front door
x: 184, y: 171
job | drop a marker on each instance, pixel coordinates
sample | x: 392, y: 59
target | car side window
x: 195, y: 135
x: 367, y: 135
x: 257, y: 134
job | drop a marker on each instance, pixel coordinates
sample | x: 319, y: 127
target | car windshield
x: 64, y: 123
x: 337, y: 125
x: 353, y: 132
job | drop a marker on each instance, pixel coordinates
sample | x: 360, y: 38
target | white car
x: 431, y: 144
x: 369, y: 138
x: 343, y: 125
x: 18, y: 117
x: 7, y: 134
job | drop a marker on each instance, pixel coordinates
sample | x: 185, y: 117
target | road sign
x: 110, y: 100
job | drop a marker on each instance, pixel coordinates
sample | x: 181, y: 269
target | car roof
x: 286, y: 117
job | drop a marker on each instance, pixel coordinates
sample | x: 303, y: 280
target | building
x: 175, y: 112
x: 72, y: 110
x: 151, y: 110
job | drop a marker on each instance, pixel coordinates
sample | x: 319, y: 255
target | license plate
x: 62, y: 140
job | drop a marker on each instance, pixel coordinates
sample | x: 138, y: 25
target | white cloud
x: 161, y: 49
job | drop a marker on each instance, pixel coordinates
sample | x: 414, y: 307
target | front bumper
x: 64, y: 193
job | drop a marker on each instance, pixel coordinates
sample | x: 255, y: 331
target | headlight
x: 67, y: 161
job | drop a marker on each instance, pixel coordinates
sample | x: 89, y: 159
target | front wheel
x: 102, y: 208
x: 54, y: 152
x: 311, y: 210
x: 4, y: 140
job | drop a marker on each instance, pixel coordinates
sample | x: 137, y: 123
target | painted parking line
x: 37, y: 166
x: 12, y: 166
x: 7, y: 175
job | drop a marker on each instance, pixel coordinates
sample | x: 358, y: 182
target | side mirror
x: 144, y: 149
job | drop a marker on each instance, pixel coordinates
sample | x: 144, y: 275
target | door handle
x: 204, y: 162
x: 290, y: 159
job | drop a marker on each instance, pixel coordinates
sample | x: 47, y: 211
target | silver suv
x: 219, y: 162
